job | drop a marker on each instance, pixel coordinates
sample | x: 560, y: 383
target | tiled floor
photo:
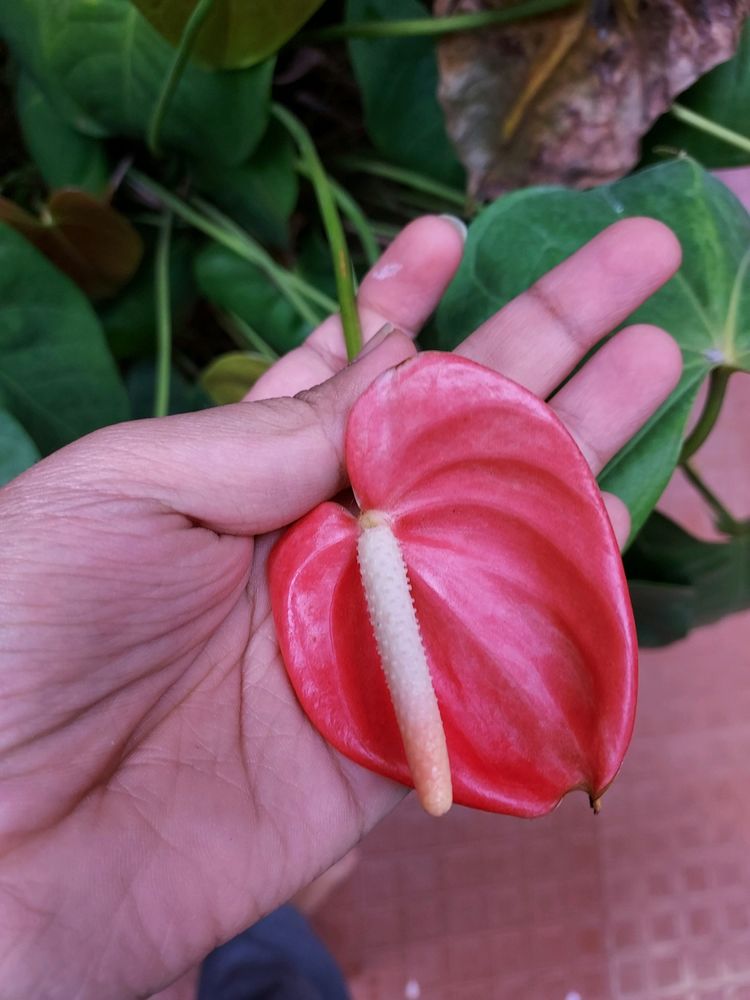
x: 648, y: 901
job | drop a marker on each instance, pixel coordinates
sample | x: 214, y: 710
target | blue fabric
x: 279, y: 958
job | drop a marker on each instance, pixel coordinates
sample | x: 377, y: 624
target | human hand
x: 160, y: 787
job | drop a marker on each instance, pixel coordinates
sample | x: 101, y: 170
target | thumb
x: 245, y: 468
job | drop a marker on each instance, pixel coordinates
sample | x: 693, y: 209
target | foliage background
x: 209, y: 193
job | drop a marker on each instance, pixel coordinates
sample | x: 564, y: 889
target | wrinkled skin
x: 160, y: 788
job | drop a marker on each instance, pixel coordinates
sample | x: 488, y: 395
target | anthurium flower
x: 468, y: 630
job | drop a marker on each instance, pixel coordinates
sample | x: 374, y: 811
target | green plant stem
x: 725, y: 521
x: 248, y: 337
x: 352, y: 211
x: 295, y: 289
x: 294, y: 281
x: 717, y: 388
x: 342, y: 266
x: 163, y: 316
x: 385, y: 231
x: 703, y: 124
x: 409, y: 178
x: 419, y: 27
x: 173, y: 77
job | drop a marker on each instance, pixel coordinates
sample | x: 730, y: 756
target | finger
x: 245, y: 468
x: 619, y: 516
x: 402, y: 289
x: 614, y: 395
x: 539, y: 337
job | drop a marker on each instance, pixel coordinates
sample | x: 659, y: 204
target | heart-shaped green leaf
x: 398, y: 79
x: 678, y: 582
x: 57, y: 377
x: 723, y: 96
x: 85, y: 237
x: 236, y: 33
x: 102, y: 66
x: 706, y: 306
x: 17, y: 450
x: 65, y: 157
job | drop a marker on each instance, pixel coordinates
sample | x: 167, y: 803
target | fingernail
x: 376, y: 340
x: 458, y: 224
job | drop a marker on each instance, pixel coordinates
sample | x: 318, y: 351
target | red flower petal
x: 516, y: 579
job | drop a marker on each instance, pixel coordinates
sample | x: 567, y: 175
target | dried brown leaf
x: 565, y: 98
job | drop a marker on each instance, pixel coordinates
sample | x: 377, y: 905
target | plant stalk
x: 184, y: 49
x: 295, y: 289
x: 725, y: 521
x: 703, y: 124
x: 401, y: 175
x: 717, y: 388
x: 334, y: 230
x: 352, y: 211
x: 163, y: 298
x: 431, y: 26
x: 245, y: 336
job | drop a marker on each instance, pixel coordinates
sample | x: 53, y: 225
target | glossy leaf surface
x: 723, y: 96
x: 102, y: 66
x: 236, y: 33
x: 75, y: 388
x: 65, y: 157
x: 237, y: 286
x: 516, y: 579
x: 678, y: 582
x: 706, y: 306
x: 17, y: 450
x: 398, y: 80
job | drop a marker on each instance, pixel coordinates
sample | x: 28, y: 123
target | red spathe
x: 516, y: 578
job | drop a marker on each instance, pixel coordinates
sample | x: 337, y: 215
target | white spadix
x: 402, y: 655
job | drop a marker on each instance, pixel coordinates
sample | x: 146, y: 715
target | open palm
x: 160, y: 788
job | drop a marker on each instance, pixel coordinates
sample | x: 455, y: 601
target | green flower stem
x: 419, y: 27
x: 163, y: 316
x: 294, y: 281
x: 725, y: 521
x: 703, y: 124
x: 247, y: 336
x: 173, y: 77
x: 342, y: 266
x: 717, y: 388
x: 295, y: 289
x: 351, y: 210
x: 385, y: 231
x: 409, y: 178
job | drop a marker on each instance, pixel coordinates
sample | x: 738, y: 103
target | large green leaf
x: 65, y: 157
x: 398, y: 79
x: 236, y: 33
x: 259, y: 194
x: 102, y: 65
x: 17, y: 450
x: 57, y: 377
x: 238, y: 287
x: 678, y: 582
x: 706, y: 306
x: 723, y: 96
